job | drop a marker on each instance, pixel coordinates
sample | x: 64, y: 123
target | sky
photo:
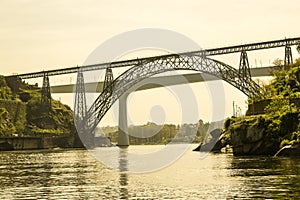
x: 42, y: 35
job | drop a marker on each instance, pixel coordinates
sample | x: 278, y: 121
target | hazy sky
x: 40, y: 35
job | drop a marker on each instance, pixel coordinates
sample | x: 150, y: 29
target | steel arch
x: 155, y: 66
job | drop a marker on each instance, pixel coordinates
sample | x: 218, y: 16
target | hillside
x: 21, y: 113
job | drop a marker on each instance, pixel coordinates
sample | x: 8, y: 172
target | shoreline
x: 16, y: 143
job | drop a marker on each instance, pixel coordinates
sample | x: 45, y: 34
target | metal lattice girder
x: 108, y: 81
x: 80, y: 100
x: 46, y: 94
x: 244, y: 68
x: 80, y: 112
x: 253, y: 46
x: 134, y: 75
x: 132, y: 62
x: 288, y: 58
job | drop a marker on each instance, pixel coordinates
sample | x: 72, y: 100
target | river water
x: 76, y: 174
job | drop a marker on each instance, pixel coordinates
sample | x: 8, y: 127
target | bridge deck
x: 156, y: 82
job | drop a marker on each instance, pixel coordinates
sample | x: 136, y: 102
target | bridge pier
x: 46, y: 95
x: 80, y: 111
x: 244, y: 67
x: 123, y: 138
x: 288, y: 58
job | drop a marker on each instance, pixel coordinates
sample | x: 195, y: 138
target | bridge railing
x: 206, y: 52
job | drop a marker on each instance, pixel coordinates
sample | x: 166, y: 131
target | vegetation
x: 152, y: 133
x: 21, y: 112
x: 59, y: 120
x: 285, y: 84
x: 6, y: 126
x: 280, y: 119
x: 5, y: 91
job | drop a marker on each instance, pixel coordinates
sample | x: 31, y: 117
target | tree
x: 279, y: 106
x: 278, y: 62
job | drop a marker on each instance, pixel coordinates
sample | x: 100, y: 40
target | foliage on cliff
x: 22, y: 113
x: 285, y: 84
x: 5, y: 91
x: 280, y: 122
x: 285, y: 114
x: 6, y: 123
x: 6, y: 126
x: 59, y: 120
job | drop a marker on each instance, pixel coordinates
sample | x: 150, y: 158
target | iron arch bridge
x: 114, y: 89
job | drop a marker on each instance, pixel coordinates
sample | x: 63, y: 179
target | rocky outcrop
x: 250, y: 138
x: 214, y: 145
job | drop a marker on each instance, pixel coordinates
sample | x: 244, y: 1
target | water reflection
x: 81, y: 179
x: 290, y: 174
x: 267, y: 177
x: 45, y: 173
x: 123, y: 167
x: 76, y: 174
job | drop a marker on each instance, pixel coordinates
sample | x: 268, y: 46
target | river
x: 76, y: 174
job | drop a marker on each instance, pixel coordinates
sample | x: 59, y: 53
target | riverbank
x: 273, y: 118
x: 28, y: 121
x: 11, y: 143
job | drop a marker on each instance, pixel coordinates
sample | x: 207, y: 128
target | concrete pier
x: 123, y: 139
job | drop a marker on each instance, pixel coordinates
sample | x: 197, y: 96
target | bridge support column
x: 244, y: 68
x: 109, y: 78
x: 46, y: 95
x: 80, y: 100
x: 123, y: 138
x: 288, y: 58
x: 80, y: 111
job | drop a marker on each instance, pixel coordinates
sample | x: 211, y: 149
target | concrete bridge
x: 163, y: 80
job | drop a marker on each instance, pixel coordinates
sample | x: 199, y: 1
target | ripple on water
x: 75, y: 174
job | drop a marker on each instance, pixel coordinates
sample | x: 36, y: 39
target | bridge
x: 142, y: 69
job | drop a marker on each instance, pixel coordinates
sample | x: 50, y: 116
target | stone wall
x: 27, y: 143
x: 258, y: 107
x: 20, y: 143
x: 248, y: 136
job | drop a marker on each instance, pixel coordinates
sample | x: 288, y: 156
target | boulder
x: 252, y: 140
x: 214, y: 145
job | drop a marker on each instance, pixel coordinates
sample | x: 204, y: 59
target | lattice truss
x: 151, y: 67
x: 80, y: 109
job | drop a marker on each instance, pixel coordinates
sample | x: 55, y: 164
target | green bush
x: 281, y: 118
x: 5, y: 91
x: 6, y: 126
